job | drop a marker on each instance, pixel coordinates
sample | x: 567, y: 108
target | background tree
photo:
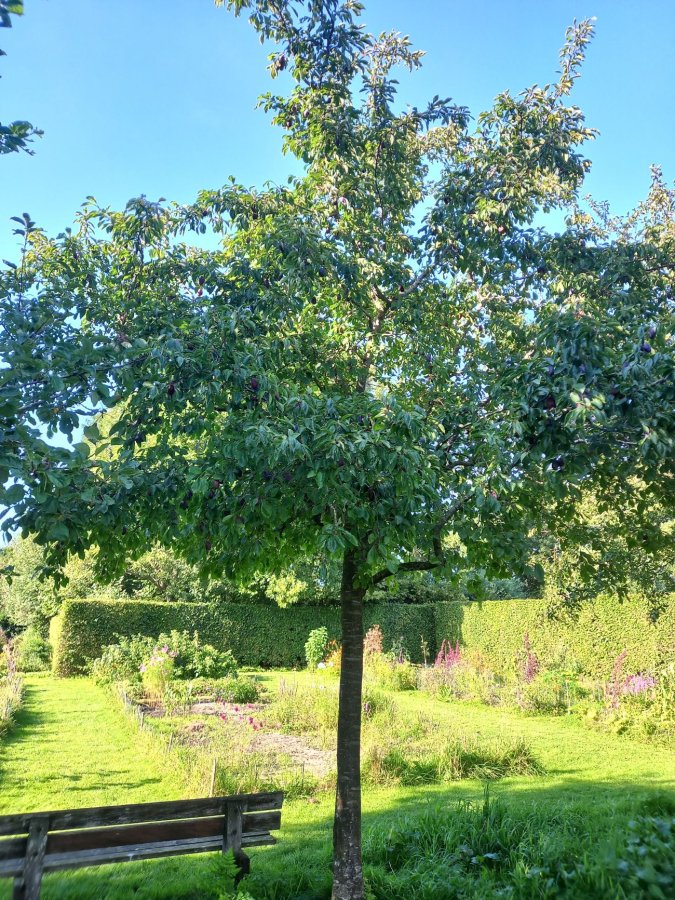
x: 383, y: 361
x: 608, y: 552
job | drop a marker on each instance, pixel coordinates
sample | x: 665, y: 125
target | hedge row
x: 591, y: 638
x: 257, y: 634
x: 267, y: 636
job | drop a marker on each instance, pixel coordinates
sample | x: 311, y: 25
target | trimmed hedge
x: 257, y: 634
x: 268, y: 636
x: 591, y: 637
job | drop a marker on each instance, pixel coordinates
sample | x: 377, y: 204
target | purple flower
x: 448, y: 655
x: 638, y: 684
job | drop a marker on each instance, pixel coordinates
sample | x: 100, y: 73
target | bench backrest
x: 69, y: 839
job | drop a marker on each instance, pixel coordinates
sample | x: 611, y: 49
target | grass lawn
x: 71, y: 746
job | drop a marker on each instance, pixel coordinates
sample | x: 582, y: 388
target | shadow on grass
x: 299, y: 865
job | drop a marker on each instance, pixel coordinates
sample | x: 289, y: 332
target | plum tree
x: 386, y: 360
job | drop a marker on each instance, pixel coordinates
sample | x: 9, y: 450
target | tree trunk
x: 347, y: 869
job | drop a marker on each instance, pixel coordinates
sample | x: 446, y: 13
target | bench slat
x: 11, y: 868
x: 99, y: 816
x: 155, y: 832
x: 147, y: 851
x: 12, y: 847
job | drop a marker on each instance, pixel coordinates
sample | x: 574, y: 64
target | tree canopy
x: 389, y: 359
x: 16, y: 136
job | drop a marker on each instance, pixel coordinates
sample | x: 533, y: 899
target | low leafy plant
x: 238, y: 690
x: 646, y: 867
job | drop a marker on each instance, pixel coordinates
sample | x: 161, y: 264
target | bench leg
x: 27, y: 886
x: 244, y: 863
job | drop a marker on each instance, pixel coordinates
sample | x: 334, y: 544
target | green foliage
x: 315, y: 647
x: 311, y: 431
x: 462, y: 681
x: 257, y: 634
x: 301, y: 709
x: 33, y: 652
x: 610, y: 550
x: 122, y: 661
x: 157, y: 673
x: 237, y: 689
x: 647, y: 868
x: 157, y: 661
x: 25, y: 599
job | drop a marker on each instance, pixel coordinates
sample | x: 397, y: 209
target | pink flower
x: 143, y: 668
x: 236, y: 709
x: 223, y: 716
x: 250, y: 720
x: 165, y: 649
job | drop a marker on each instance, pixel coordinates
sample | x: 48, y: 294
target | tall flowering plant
x: 158, y: 670
x: 448, y: 655
x: 530, y: 666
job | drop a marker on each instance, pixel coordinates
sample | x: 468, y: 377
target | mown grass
x: 565, y: 833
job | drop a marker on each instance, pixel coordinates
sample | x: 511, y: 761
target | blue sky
x: 158, y: 96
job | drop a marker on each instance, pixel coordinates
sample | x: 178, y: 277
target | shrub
x: 193, y: 659
x: 315, y: 648
x: 122, y: 661
x: 33, y: 652
x: 138, y: 656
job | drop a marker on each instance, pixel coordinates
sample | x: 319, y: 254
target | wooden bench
x: 33, y: 843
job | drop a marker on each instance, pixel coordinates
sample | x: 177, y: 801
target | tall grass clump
x: 487, y: 849
x: 456, y: 758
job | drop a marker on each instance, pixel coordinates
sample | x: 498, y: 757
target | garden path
x: 72, y: 747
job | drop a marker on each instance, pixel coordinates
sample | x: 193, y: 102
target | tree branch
x: 422, y: 566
